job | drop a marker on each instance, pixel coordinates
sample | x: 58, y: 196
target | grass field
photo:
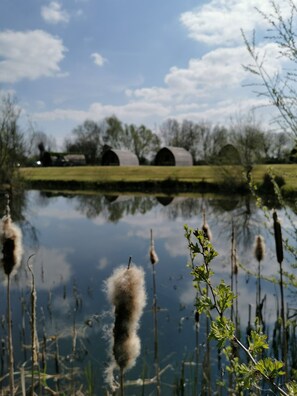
x: 142, y: 174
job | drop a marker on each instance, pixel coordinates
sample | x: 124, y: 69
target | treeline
x: 206, y: 142
x: 243, y: 141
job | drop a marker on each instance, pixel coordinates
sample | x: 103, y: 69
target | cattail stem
x: 34, y: 338
x: 129, y: 262
x: 10, y: 344
x: 280, y: 257
x: 154, y: 260
x: 122, y: 381
x: 156, y: 344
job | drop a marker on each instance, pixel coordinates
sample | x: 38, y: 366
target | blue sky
x: 144, y: 61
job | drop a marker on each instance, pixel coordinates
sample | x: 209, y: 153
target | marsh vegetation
x: 74, y: 244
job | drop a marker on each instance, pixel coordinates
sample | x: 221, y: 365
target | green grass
x: 116, y: 174
x: 209, y: 174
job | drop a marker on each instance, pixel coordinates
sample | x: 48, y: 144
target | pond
x: 77, y: 241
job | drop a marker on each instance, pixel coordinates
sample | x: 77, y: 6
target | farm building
x: 119, y: 158
x: 74, y: 159
x: 173, y: 156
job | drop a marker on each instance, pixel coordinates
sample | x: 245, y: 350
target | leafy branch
x: 214, y: 302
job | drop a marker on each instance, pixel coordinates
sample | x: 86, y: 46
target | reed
x: 280, y: 257
x: 154, y: 260
x: 12, y: 250
x: 205, y: 228
x: 125, y: 290
x: 259, y: 253
x: 34, y: 335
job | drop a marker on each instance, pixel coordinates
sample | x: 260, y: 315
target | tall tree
x: 114, y: 134
x: 170, y: 132
x: 142, y: 142
x: 248, y: 138
x: 36, y: 137
x: 11, y: 138
x: 88, y: 140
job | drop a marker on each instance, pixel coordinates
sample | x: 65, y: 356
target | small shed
x: 75, y: 159
x: 114, y: 157
x: 173, y: 156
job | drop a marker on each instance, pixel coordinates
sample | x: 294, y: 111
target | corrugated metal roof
x: 125, y: 158
x: 181, y: 156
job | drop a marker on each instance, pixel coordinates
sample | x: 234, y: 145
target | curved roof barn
x: 173, y: 156
x: 114, y: 157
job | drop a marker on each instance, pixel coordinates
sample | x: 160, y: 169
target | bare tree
x: 248, y: 138
x: 279, y: 87
x: 11, y: 138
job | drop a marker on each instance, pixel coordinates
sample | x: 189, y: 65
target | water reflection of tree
x: 114, y: 208
x: 17, y: 203
x: 186, y: 208
x: 242, y: 211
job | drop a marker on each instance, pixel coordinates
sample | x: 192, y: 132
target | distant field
x: 208, y: 174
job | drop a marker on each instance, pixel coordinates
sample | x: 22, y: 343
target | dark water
x: 78, y: 241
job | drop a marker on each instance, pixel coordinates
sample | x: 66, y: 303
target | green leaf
x: 257, y: 342
x: 222, y: 330
x: 270, y: 367
x: 225, y: 296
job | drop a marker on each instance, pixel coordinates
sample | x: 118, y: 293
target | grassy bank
x: 154, y: 178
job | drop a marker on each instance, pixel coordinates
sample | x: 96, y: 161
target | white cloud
x: 51, y: 269
x: 30, y: 54
x: 53, y: 13
x: 97, y: 111
x: 219, y: 22
x: 216, y: 75
x: 98, y: 59
x: 103, y: 263
x: 209, y: 87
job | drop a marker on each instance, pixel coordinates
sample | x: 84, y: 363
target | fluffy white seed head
x: 11, y: 242
x: 125, y: 290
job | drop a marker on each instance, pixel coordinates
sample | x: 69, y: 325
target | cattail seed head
x: 205, y: 228
x: 206, y: 231
x: 259, y: 248
x: 235, y: 268
x: 153, y: 255
x: 278, y: 238
x: 126, y: 292
x: 11, y: 241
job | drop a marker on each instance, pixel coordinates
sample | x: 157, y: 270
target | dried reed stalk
x: 34, y: 336
x: 154, y: 259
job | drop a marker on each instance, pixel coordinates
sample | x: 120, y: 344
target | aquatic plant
x: 153, y: 255
x: 125, y: 290
x: 259, y: 248
x: 280, y: 257
x: 154, y: 260
x: 215, y: 302
x: 205, y: 228
x: 12, y: 250
x: 259, y: 252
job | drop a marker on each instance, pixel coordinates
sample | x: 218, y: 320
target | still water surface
x: 78, y: 241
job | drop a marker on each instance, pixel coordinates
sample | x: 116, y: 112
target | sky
x: 144, y: 61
